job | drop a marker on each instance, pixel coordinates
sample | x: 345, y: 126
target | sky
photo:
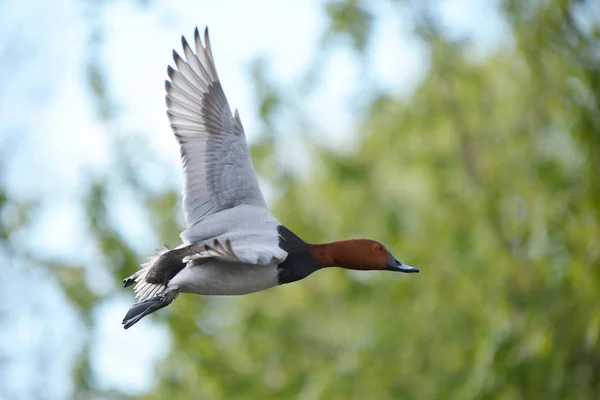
x: 57, y: 140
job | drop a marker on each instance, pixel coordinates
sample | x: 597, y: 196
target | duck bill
x: 395, y: 265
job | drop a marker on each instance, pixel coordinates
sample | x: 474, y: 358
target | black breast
x: 300, y: 261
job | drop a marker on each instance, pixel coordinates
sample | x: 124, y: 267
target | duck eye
x: 377, y: 247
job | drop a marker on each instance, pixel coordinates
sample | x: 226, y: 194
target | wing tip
x: 184, y: 43
x: 171, y: 72
x: 197, y: 41
x: 176, y: 57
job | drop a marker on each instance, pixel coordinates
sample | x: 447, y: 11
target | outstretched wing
x: 217, y: 168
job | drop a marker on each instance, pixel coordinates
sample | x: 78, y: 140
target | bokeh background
x: 465, y: 135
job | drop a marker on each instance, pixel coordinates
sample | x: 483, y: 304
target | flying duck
x: 232, y: 245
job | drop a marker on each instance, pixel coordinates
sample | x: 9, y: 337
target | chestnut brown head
x: 360, y: 254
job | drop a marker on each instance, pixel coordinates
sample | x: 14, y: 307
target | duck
x: 232, y: 244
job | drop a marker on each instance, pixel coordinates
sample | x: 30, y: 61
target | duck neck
x: 348, y: 254
x: 329, y: 254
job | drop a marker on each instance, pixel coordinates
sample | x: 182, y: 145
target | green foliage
x: 349, y: 18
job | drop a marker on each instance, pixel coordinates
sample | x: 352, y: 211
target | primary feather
x: 217, y: 168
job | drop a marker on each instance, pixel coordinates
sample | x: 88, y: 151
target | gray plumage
x: 217, y: 168
x: 231, y: 241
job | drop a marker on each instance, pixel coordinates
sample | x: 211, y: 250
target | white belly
x: 225, y: 278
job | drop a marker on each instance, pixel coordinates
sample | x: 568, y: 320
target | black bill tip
x: 395, y: 265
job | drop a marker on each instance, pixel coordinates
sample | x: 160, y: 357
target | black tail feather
x: 130, y: 280
x: 143, y: 308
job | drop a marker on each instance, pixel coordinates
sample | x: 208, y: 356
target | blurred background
x: 465, y: 135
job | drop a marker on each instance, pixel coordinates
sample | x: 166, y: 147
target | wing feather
x: 217, y: 168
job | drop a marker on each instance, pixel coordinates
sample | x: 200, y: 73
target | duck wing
x: 218, y: 173
x: 247, y: 247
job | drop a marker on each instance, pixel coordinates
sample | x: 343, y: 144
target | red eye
x: 377, y: 247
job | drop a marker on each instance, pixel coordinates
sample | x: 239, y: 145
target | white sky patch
x: 70, y: 141
x: 328, y: 107
x: 133, y: 220
x: 32, y: 368
x: 48, y: 113
x: 125, y: 359
x: 55, y: 222
x: 478, y: 20
x: 400, y: 70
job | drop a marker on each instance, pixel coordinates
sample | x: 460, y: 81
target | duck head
x: 359, y: 254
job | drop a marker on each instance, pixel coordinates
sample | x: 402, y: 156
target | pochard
x: 232, y: 245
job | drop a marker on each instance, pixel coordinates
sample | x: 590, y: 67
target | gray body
x: 225, y: 278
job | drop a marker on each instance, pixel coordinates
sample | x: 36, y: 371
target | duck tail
x: 141, y: 274
x: 139, y: 310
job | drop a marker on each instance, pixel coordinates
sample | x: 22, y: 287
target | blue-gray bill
x: 395, y: 265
